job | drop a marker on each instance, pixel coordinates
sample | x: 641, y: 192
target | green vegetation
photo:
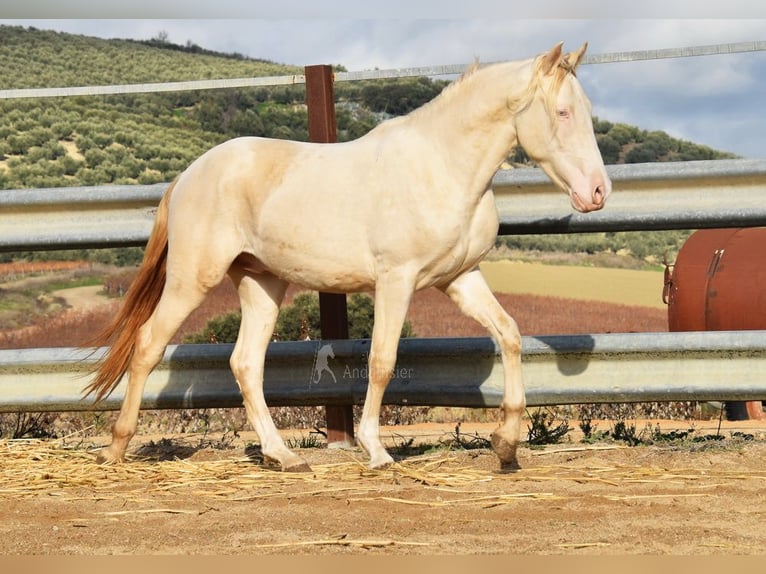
x: 118, y: 256
x: 546, y: 427
x: 150, y: 138
x: 621, y: 143
x: 653, y: 246
x: 298, y: 321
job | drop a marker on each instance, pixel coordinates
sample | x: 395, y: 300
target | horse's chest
x: 463, y: 248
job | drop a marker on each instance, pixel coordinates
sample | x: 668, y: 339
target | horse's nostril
x: 598, y: 195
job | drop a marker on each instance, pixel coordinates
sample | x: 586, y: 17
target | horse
x: 407, y: 206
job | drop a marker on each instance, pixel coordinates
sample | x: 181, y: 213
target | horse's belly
x: 332, y: 273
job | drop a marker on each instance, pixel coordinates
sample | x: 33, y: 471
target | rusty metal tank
x: 718, y: 283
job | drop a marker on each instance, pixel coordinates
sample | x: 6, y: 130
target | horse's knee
x: 509, y: 335
x: 381, y: 367
x: 246, y: 365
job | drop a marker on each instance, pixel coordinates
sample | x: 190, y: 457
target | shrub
x: 297, y: 321
x: 609, y: 147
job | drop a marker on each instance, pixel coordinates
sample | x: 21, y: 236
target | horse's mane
x: 519, y: 103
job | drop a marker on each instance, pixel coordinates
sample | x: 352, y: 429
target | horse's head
x: 556, y: 130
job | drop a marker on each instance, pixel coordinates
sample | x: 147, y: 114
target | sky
x: 713, y: 100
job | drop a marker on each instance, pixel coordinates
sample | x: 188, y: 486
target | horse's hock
x: 718, y: 283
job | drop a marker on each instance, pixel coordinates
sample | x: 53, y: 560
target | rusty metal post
x: 333, y: 313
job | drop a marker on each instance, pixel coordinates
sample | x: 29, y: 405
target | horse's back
x: 327, y: 216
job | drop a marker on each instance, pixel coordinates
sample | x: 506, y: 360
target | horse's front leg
x: 472, y: 295
x: 392, y: 298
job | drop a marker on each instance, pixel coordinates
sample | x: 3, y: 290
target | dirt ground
x: 193, y: 494
x: 87, y: 297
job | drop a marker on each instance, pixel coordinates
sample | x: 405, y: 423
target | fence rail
x: 682, y: 195
x: 455, y: 372
x: 438, y: 372
x: 292, y: 79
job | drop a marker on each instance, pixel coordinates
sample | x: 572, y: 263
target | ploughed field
x: 544, y: 299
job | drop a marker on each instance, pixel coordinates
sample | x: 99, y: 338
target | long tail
x: 141, y: 299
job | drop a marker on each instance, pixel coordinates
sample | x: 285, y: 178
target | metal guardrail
x: 647, y: 196
x: 77, y: 217
x: 652, y: 196
x: 435, y: 372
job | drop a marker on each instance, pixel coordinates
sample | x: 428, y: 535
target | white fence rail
x: 291, y: 79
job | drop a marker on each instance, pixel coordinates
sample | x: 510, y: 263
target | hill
x: 150, y: 138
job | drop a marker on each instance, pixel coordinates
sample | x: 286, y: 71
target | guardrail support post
x: 333, y: 314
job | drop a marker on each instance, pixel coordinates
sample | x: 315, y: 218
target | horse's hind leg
x: 472, y: 295
x: 260, y: 297
x: 177, y: 302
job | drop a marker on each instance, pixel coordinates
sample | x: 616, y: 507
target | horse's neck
x: 473, y: 124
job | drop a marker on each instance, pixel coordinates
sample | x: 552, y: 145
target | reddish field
x: 8, y: 271
x: 432, y: 315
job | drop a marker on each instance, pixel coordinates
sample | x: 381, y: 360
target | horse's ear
x: 575, y: 57
x: 552, y: 58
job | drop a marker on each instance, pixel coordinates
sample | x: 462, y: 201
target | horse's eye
x: 563, y: 113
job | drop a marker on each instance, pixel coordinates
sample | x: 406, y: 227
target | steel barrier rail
x: 651, y: 196
x: 646, y: 196
x: 77, y: 217
x: 455, y: 372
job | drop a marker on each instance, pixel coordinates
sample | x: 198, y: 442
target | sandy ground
x: 212, y: 495
x: 82, y: 298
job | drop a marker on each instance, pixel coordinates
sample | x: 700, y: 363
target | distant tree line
x: 647, y: 245
x: 622, y: 143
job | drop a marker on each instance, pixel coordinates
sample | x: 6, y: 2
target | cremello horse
x: 405, y: 207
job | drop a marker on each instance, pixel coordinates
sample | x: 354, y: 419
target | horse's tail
x: 141, y: 299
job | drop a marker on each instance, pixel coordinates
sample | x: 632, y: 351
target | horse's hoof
x: 382, y: 465
x: 506, y: 452
x: 509, y: 467
x: 106, y: 456
x: 301, y: 466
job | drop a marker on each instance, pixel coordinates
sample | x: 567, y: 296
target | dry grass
x: 585, y: 284
x: 65, y: 468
